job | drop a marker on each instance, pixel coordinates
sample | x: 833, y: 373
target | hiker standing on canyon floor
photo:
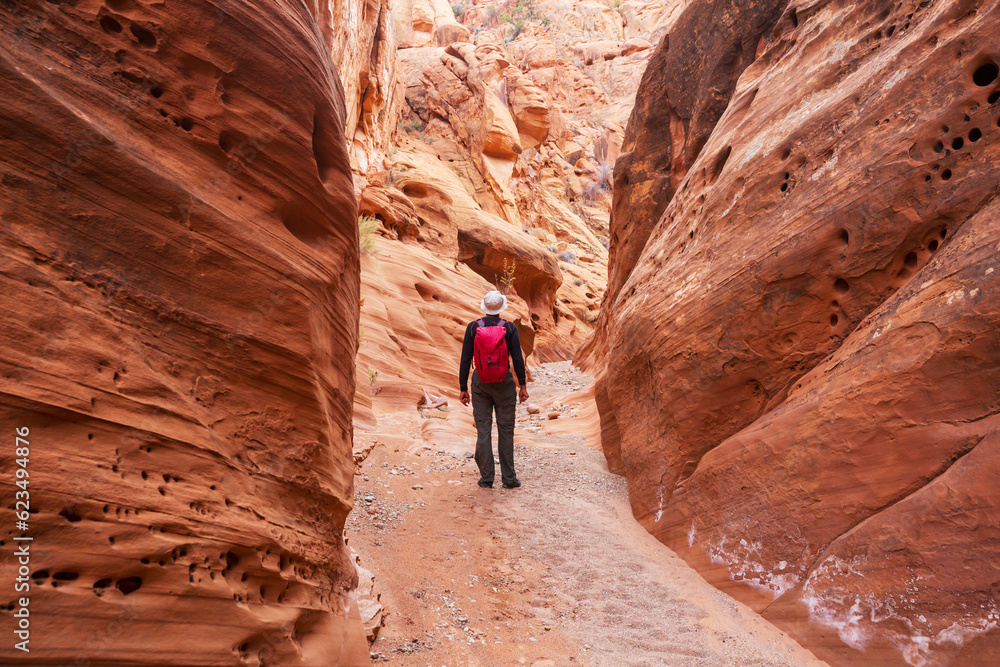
x: 493, y: 342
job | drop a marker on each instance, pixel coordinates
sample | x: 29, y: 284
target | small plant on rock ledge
x: 517, y: 15
x: 606, y: 175
x: 567, y: 256
x: 367, y: 225
x: 505, y: 281
x: 412, y: 125
x: 593, y: 191
x: 372, y: 379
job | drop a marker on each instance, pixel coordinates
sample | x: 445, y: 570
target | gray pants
x: 500, y: 397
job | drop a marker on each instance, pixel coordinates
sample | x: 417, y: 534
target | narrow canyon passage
x: 554, y: 573
x: 243, y: 240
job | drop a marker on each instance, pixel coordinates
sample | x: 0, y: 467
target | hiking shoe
x: 485, y: 484
x: 513, y: 485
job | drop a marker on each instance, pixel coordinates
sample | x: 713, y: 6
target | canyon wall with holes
x: 180, y: 284
x: 799, y: 349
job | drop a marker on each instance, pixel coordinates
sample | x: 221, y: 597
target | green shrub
x: 367, y: 225
x: 412, y: 125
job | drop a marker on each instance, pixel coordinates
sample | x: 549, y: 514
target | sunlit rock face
x: 180, y: 285
x: 361, y: 38
x: 799, y: 369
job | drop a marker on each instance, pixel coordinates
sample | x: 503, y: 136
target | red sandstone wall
x: 179, y: 273
x: 800, y: 372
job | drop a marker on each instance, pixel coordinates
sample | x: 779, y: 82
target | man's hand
x: 464, y: 397
x: 523, y: 394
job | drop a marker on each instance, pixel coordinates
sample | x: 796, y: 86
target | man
x: 493, y: 387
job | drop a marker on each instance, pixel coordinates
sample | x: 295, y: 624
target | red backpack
x: 490, y: 351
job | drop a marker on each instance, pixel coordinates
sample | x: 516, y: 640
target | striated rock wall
x: 361, y: 38
x: 810, y: 329
x: 180, y: 283
x: 686, y: 88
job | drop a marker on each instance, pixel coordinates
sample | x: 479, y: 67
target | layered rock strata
x: 180, y: 279
x: 527, y: 110
x: 685, y: 90
x: 361, y: 39
x: 800, y: 371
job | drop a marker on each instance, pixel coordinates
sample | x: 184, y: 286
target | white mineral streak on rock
x: 745, y: 564
x: 859, y: 616
x: 662, y: 501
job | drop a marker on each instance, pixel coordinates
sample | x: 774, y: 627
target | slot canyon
x: 748, y: 248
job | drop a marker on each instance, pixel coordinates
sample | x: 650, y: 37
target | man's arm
x: 466, y: 362
x: 514, y: 350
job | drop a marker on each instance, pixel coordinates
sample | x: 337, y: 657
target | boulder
x: 393, y: 208
x: 542, y: 53
x: 448, y: 29
x: 635, y: 45
x: 529, y: 107
x: 590, y: 52
x: 456, y: 227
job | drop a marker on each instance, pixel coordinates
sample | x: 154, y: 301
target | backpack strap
x: 480, y: 323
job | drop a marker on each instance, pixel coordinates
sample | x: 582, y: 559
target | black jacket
x: 513, y: 349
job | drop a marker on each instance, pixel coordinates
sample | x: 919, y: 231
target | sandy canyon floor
x: 556, y: 572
